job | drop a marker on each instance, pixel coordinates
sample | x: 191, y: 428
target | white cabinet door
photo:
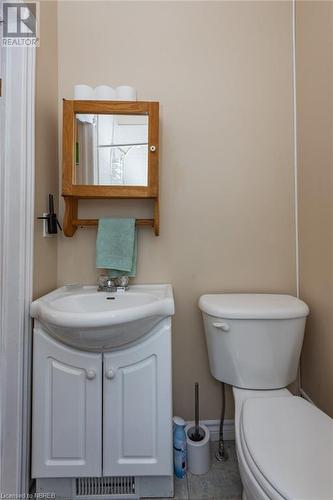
x: 67, y: 410
x: 137, y: 411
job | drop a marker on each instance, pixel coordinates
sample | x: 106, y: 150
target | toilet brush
x: 197, y: 439
x: 196, y: 435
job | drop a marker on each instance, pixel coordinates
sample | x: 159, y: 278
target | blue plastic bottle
x: 179, y: 447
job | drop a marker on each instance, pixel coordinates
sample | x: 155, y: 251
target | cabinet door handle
x: 222, y: 326
x: 110, y: 374
x: 91, y: 374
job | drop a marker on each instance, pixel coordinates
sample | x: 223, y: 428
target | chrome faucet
x: 107, y: 284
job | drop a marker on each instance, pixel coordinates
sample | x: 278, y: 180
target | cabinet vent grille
x: 98, y: 486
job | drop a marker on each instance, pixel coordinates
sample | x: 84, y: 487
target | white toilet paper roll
x: 198, y: 452
x: 104, y: 93
x: 126, y: 93
x: 83, y: 93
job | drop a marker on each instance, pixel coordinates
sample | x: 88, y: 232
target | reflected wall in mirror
x: 111, y: 150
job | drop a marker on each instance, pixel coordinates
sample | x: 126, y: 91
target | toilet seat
x: 259, y: 482
x: 288, y: 446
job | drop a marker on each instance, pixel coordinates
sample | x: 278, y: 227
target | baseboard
x: 306, y: 396
x: 214, y: 429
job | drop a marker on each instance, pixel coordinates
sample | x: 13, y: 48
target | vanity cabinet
x: 67, y: 410
x: 102, y: 414
x: 136, y: 410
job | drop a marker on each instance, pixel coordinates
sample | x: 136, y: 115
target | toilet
x: 284, y: 443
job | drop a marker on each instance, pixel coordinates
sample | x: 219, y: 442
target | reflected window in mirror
x: 111, y: 150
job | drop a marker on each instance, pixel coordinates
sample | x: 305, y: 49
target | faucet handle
x: 102, y: 280
x: 122, y: 281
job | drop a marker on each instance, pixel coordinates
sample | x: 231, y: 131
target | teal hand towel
x: 116, y: 247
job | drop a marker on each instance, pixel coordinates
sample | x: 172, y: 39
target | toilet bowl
x: 284, y: 444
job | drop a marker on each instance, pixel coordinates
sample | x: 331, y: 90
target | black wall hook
x: 51, y: 218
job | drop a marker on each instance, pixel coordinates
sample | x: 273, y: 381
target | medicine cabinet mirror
x: 110, y: 150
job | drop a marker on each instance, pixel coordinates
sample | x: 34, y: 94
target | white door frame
x: 17, y: 143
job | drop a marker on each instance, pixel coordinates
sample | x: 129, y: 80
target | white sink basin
x: 82, y: 317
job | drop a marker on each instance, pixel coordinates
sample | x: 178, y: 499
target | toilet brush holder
x: 198, y: 452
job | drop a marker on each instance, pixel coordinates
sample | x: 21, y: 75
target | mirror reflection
x: 111, y: 150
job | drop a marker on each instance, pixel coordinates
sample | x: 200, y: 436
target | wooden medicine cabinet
x: 110, y: 150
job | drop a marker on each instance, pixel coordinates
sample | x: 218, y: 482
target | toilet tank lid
x: 253, y: 306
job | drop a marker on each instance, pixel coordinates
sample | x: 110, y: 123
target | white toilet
x: 284, y: 444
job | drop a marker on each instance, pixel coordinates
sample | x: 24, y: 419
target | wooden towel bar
x: 94, y: 222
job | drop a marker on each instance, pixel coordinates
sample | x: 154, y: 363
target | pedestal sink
x: 81, y: 317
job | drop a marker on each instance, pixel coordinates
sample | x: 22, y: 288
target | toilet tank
x: 254, y: 341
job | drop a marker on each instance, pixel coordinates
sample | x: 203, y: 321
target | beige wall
x: 227, y: 204
x: 46, y: 175
x: 222, y: 73
x: 315, y: 115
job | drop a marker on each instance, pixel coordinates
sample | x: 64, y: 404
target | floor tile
x: 238, y: 497
x: 181, y: 489
x: 222, y: 482
x: 215, y: 484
